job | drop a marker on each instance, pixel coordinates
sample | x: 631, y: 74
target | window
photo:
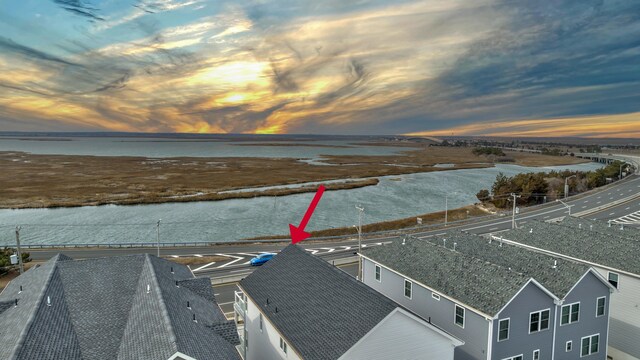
x: 589, y: 345
x: 378, y: 273
x: 459, y: 316
x: 519, y: 357
x: 613, y: 279
x: 283, y: 345
x: 539, y: 321
x: 536, y: 354
x: 260, y: 322
x: 570, y: 314
x: 435, y: 296
x: 600, y: 306
x: 407, y: 288
x: 568, y: 347
x: 503, y: 329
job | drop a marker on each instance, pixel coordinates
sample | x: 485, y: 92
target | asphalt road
x: 611, y: 202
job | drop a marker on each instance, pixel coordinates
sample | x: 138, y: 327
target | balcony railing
x: 240, y: 304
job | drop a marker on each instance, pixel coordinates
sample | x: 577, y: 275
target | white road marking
x: 174, y: 256
x: 197, y: 255
x: 347, y: 247
x: 204, y: 266
x: 494, y: 228
x: 237, y: 258
x: 329, y: 250
x: 313, y: 251
x: 248, y: 254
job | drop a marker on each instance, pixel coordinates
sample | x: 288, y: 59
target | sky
x: 456, y: 67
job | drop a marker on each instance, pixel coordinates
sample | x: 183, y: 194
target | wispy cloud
x: 369, y: 66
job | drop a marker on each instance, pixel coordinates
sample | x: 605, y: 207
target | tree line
x: 537, y: 188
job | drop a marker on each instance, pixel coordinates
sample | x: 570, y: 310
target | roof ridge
x: 32, y: 315
x: 163, y: 306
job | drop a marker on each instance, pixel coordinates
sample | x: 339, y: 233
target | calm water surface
x: 394, y: 197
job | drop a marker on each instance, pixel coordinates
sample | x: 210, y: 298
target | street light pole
x: 446, y: 209
x: 566, y: 205
x: 360, y: 214
x: 20, y: 265
x: 513, y: 217
x: 566, y: 185
x: 158, y: 236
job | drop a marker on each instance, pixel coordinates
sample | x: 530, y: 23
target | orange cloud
x: 613, y: 126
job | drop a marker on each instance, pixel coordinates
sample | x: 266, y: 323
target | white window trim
x: 283, y: 345
x: 617, y: 286
x: 540, y: 321
x: 570, y: 305
x: 508, y: 329
x: 513, y: 357
x: 605, y: 306
x: 435, y: 296
x: 404, y: 289
x: 590, y: 337
x: 533, y: 356
x: 464, y: 316
x: 377, y: 271
x: 567, y: 344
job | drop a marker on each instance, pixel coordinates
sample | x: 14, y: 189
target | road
x: 612, y: 202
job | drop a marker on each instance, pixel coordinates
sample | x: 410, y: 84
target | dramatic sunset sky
x: 462, y: 67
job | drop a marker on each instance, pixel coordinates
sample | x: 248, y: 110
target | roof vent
x: 177, y: 285
x: 531, y: 231
x: 591, y: 227
x: 500, y: 241
x: 267, y: 301
x: 454, y: 246
x: 555, y: 264
x: 609, y: 223
x: 194, y: 318
x: 444, y: 241
x: 276, y: 309
x: 148, y: 288
x: 48, y: 301
x: 404, y: 240
x: 579, y: 226
x: 16, y: 304
x: 188, y: 305
x: 621, y: 226
x: 20, y: 289
x: 172, y: 270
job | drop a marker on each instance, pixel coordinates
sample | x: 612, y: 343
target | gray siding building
x: 611, y: 250
x: 503, y: 302
x: 298, y: 306
x: 122, y: 307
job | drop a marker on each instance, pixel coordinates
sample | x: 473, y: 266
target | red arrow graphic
x: 297, y: 233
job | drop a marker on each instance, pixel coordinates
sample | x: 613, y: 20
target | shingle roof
x: 476, y: 283
x: 602, y: 227
x: 100, y: 308
x: 593, y: 246
x: 321, y: 310
x: 554, y: 273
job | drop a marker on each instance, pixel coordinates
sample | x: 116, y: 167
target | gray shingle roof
x: 601, y: 227
x: 558, y: 280
x: 321, y: 310
x: 608, y: 250
x: 100, y: 308
x: 476, y: 283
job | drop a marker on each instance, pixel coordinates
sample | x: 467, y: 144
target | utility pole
x: 513, y: 217
x: 360, y: 214
x: 18, y: 228
x: 158, y: 236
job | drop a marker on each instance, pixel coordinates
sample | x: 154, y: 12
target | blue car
x: 261, y: 259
